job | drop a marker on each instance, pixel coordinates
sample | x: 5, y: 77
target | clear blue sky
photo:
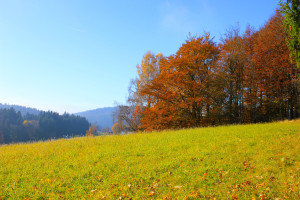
x: 76, y: 55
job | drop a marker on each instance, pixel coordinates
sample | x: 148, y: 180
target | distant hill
x: 24, y: 110
x: 103, y: 117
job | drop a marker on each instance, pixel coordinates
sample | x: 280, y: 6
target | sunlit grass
x: 245, y: 161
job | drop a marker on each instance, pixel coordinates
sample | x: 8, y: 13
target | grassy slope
x: 245, y: 161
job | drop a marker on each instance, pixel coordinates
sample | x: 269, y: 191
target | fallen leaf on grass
x: 151, y: 193
x: 263, y: 196
x: 167, y: 197
x: 271, y: 178
x: 178, y: 186
x: 99, y: 177
x: 260, y: 184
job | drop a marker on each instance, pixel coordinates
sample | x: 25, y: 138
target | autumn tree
x: 128, y: 116
x: 233, y: 60
x: 250, y: 79
x: 246, y: 78
x: 116, y: 128
x: 181, y: 95
x: 276, y: 75
x: 93, y: 129
x: 147, y: 71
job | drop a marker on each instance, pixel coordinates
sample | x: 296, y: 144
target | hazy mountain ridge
x: 22, y: 109
x: 103, y: 117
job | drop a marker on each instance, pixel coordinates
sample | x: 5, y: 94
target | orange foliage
x: 276, y: 75
x: 92, y: 130
x: 247, y: 78
x: 181, y: 97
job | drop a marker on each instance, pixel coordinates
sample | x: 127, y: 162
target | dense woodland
x: 46, y: 125
x: 246, y: 78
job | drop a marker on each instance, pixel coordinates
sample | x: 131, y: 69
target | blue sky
x: 77, y: 55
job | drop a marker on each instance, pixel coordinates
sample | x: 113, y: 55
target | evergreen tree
x: 291, y: 11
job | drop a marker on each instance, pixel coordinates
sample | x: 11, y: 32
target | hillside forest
x: 14, y: 127
x: 247, y: 77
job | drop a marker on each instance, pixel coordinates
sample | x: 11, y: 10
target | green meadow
x: 259, y: 161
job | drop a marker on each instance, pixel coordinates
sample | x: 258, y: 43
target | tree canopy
x: 248, y: 77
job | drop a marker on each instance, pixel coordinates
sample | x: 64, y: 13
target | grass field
x: 258, y: 161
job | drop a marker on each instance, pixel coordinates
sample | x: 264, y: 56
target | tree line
x: 46, y: 125
x: 246, y: 78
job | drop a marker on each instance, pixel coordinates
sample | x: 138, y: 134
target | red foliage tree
x: 183, y: 91
x: 247, y: 78
x: 276, y: 75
